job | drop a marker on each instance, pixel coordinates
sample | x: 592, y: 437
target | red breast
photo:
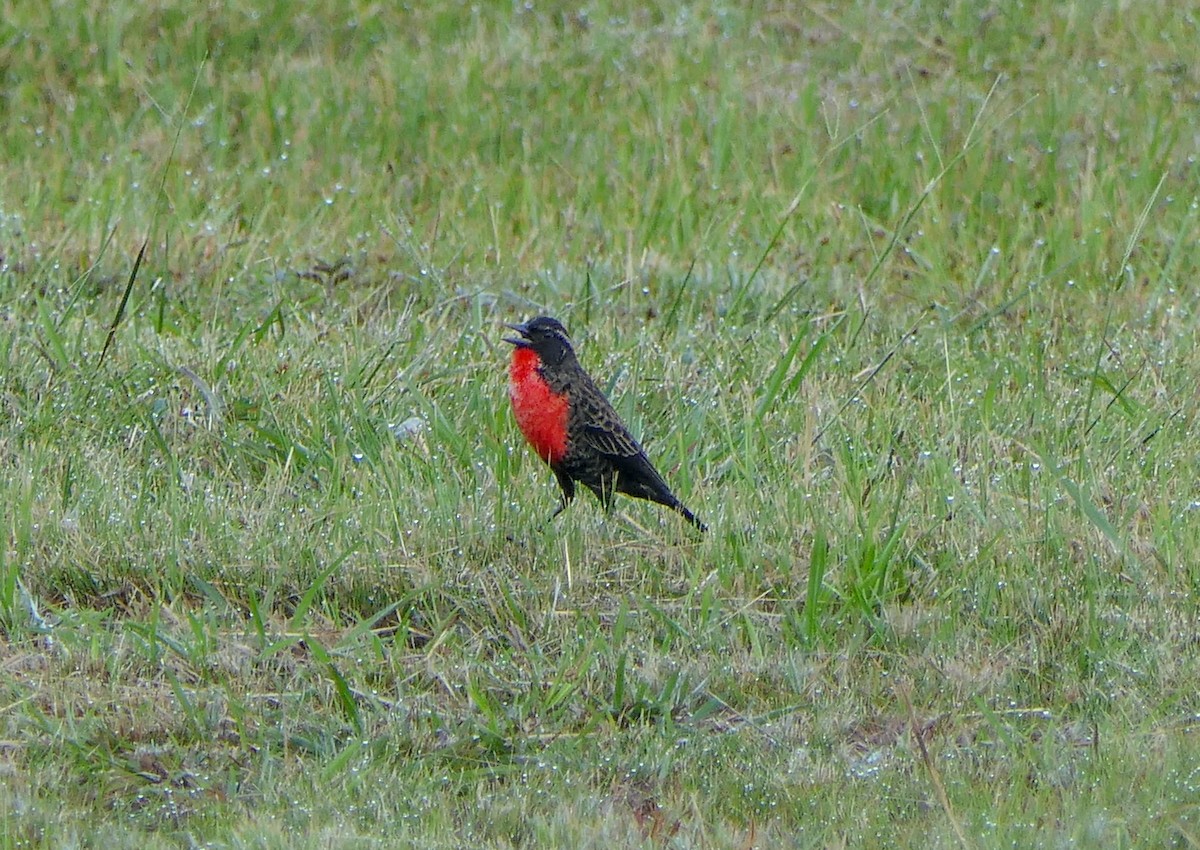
x: 541, y: 414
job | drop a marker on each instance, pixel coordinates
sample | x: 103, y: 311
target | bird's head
x: 546, y: 337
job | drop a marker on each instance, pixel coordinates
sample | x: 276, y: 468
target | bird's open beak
x: 522, y: 330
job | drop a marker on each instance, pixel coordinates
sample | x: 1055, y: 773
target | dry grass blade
x: 917, y: 732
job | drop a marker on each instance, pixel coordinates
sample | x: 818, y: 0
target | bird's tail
x: 689, y: 516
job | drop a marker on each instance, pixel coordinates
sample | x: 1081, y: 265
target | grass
x: 899, y: 298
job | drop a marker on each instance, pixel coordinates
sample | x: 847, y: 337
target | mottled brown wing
x: 638, y: 475
x: 611, y: 439
x: 603, y: 431
x: 598, y: 424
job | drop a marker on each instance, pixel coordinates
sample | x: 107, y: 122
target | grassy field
x: 900, y: 297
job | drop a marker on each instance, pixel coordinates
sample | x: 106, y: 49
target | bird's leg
x: 567, y: 485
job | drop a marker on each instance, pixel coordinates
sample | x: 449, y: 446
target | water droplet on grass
x: 409, y: 428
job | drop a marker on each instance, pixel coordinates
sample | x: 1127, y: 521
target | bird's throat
x: 541, y: 414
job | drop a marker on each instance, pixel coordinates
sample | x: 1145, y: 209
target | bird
x: 573, y: 427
